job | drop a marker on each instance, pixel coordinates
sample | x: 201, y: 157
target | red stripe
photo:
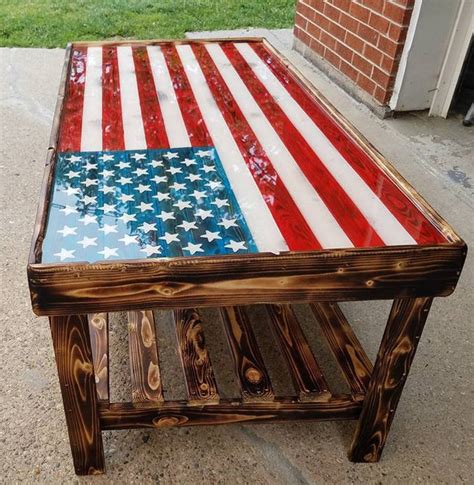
x: 155, y: 132
x: 197, y: 129
x: 112, y: 127
x: 347, y: 214
x: 398, y: 203
x: 71, y: 119
x: 294, y: 228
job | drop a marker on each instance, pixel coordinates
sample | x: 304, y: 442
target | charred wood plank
x: 98, y: 330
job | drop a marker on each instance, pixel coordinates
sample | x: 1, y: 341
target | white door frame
x: 454, y: 59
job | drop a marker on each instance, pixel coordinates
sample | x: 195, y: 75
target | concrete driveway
x: 432, y: 436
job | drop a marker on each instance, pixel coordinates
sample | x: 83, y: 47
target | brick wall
x: 361, y: 38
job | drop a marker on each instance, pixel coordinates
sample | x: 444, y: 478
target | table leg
x: 72, y: 348
x: 392, y: 365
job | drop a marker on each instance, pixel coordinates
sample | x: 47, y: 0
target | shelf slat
x: 304, y: 369
x: 200, y: 380
x: 99, y: 335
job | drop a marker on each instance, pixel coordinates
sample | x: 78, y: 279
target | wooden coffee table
x: 194, y: 174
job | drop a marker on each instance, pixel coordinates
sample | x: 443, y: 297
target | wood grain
x: 248, y: 362
x: 200, y: 380
x: 125, y: 416
x: 398, y: 347
x: 304, y: 369
x: 72, y: 348
x: 144, y: 363
x: 99, y: 334
x: 351, y: 357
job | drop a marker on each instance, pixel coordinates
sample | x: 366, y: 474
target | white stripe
x: 133, y: 131
x: 91, y: 134
x: 265, y: 232
x: 172, y: 117
x: 377, y: 214
x: 323, y: 224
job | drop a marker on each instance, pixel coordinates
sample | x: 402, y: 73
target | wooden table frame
x: 76, y: 297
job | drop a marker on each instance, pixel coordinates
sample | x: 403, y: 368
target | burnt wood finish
x: 199, y: 376
x: 248, y: 362
x: 351, y: 357
x: 125, y: 416
x: 73, y: 353
x: 304, y: 369
x: 144, y: 363
x: 400, y: 340
x: 99, y: 334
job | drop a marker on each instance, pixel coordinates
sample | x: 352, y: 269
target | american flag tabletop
x: 207, y: 148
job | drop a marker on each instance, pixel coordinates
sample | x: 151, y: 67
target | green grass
x: 54, y: 23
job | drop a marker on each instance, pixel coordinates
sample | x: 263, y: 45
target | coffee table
x: 192, y: 174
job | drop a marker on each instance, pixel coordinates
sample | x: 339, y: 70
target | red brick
x: 389, y: 64
x: 317, y: 47
x: 321, y: 21
x: 354, y: 42
x: 327, y: 40
x: 342, y: 4
x: 348, y: 22
x: 333, y: 58
x: 301, y: 35
x: 362, y: 64
x: 301, y: 21
x: 381, y: 95
x: 365, y: 83
x: 348, y: 70
x: 359, y: 12
x: 368, y: 34
x: 379, y: 23
x: 405, y: 3
x: 305, y: 11
x: 376, y: 5
x: 313, y: 30
x: 331, y: 12
x: 337, y: 31
x: 398, y: 14
x: 344, y: 51
x: 372, y: 54
x: 389, y: 47
x: 316, y: 4
x: 381, y: 78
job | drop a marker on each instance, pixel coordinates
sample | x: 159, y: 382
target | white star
x: 146, y: 228
x: 189, y: 161
x: 162, y: 196
x: 89, y: 182
x: 204, y: 153
x: 210, y: 236
x: 126, y: 198
x: 236, y: 246
x: 203, y: 214
x: 170, y: 155
x: 174, y: 170
x: 178, y: 186
x: 88, y: 241
x: 106, y: 173
x: 228, y: 223
x: 150, y: 250
x: 220, y: 202
x: 170, y: 237
x: 214, y: 184
x: 145, y: 207
x: 74, y: 159
x: 65, y: 253
x: 87, y: 199
x: 107, y: 189
x: 188, y: 225
x: 194, y: 248
x: 71, y: 174
x: 66, y: 231
x: 158, y: 179
x: 182, y: 204
x: 71, y: 191
x: 107, y: 252
x: 139, y: 156
x: 192, y: 177
x: 68, y: 209
x: 140, y: 171
x: 143, y: 188
x: 127, y: 218
x: 164, y: 216
x: 127, y: 239
x: 108, y: 208
x: 107, y: 158
x: 107, y: 229
x: 91, y: 166
x: 156, y: 163
x: 124, y: 180
x: 198, y: 194
x: 88, y: 219
x: 122, y: 165
x: 208, y: 168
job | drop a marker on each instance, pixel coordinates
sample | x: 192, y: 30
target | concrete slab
x: 432, y: 435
